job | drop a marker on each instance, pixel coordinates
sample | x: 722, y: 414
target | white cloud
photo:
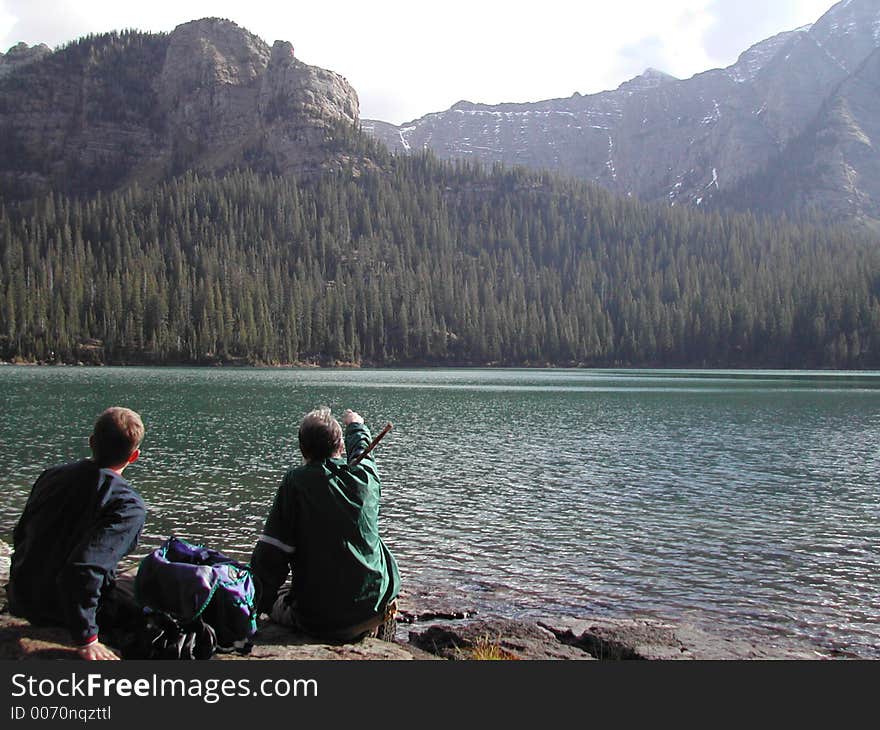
x: 407, y: 59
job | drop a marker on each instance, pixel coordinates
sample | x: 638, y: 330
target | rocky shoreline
x: 434, y: 628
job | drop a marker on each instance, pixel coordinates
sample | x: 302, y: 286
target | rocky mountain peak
x: 282, y: 54
x: 208, y: 96
x: 849, y: 31
x: 648, y: 79
x: 21, y: 54
x: 208, y: 52
x: 753, y: 60
x: 848, y: 14
x: 463, y: 105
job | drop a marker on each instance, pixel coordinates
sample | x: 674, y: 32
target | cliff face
x: 681, y: 141
x: 833, y: 166
x: 845, y: 157
x: 113, y: 109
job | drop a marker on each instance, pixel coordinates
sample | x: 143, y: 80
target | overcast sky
x: 406, y: 59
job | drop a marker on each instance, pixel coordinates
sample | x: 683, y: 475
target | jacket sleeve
x: 357, y: 438
x: 274, y: 550
x: 92, y: 563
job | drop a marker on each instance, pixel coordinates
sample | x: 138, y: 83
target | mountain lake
x: 740, y: 499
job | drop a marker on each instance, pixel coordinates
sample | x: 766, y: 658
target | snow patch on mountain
x: 714, y: 116
x: 610, y: 163
x: 404, y: 133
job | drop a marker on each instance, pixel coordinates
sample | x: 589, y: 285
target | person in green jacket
x: 324, y: 529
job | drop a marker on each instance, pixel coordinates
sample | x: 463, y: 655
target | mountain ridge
x: 270, y: 230
x: 210, y: 96
x: 659, y: 138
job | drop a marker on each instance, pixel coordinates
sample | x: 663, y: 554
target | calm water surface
x: 745, y: 500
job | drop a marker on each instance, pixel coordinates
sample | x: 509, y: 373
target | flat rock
x: 278, y: 642
x: 495, y: 639
x: 656, y: 640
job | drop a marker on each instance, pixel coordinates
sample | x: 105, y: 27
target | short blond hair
x: 320, y: 435
x: 117, y: 434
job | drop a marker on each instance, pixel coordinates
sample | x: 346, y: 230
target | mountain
x: 149, y: 216
x: 689, y: 141
x: 115, y: 108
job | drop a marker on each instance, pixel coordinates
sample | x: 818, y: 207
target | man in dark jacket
x: 80, y: 520
x: 324, y: 526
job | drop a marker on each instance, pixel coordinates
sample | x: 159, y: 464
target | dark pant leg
x: 119, y: 617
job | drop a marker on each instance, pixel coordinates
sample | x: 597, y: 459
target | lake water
x: 745, y: 500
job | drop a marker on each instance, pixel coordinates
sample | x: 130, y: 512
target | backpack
x: 194, y: 597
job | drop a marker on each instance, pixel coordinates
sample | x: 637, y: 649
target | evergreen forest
x: 414, y: 261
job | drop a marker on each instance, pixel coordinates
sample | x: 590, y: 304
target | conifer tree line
x: 417, y: 261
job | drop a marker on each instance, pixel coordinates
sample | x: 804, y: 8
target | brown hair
x: 320, y: 435
x: 117, y: 433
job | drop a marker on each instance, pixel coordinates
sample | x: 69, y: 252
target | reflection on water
x: 738, y: 498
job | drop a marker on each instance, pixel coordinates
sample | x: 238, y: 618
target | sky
x: 407, y: 59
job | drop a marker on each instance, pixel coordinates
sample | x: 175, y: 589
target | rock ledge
x: 440, y: 631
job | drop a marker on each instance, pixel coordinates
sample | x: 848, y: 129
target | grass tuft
x: 485, y: 649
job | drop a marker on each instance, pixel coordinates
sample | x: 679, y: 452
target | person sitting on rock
x: 80, y: 520
x: 324, y: 527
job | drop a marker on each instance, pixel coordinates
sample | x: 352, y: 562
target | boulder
x: 495, y: 639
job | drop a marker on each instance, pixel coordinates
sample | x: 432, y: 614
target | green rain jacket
x: 324, y: 528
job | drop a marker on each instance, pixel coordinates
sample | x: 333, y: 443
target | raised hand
x: 351, y: 417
